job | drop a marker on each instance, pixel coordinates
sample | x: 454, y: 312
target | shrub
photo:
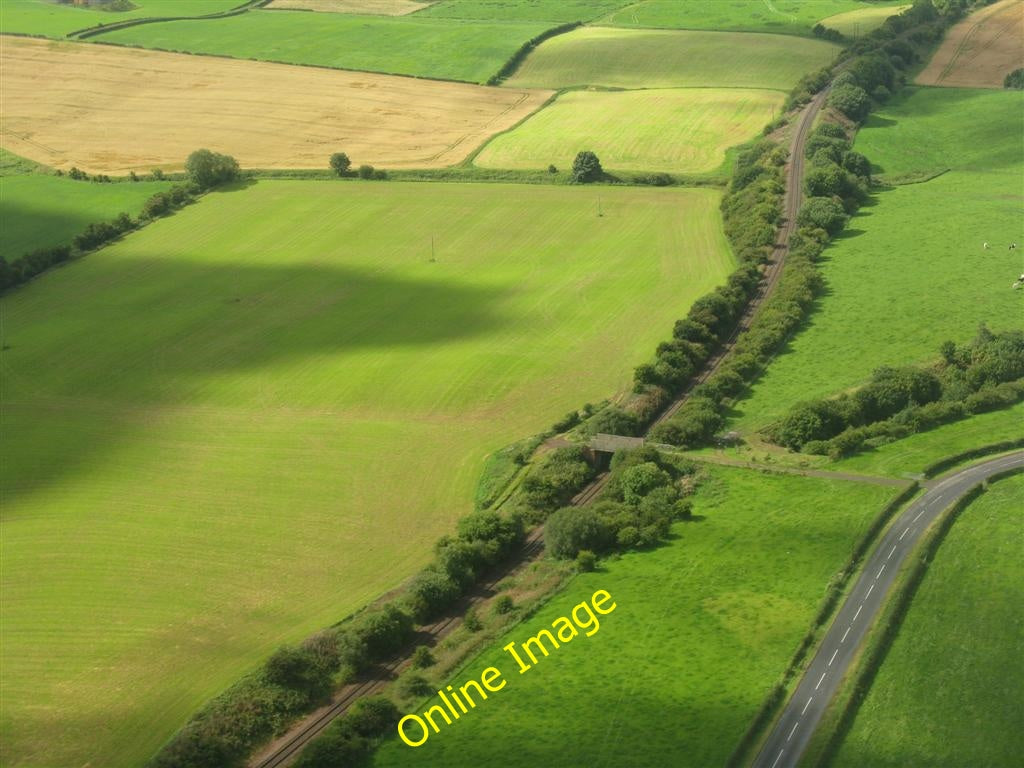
x: 422, y: 657
x: 365, y: 171
x: 431, y: 593
x: 471, y: 621
x: 1014, y: 80
x: 586, y: 561
x: 555, y: 480
x: 586, y: 168
x: 414, y: 686
x: 340, y: 163
x: 372, y: 716
x: 384, y: 631
x: 503, y: 604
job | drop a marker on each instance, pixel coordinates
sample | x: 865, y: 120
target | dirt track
x: 283, y: 751
x: 138, y: 110
x: 980, y: 50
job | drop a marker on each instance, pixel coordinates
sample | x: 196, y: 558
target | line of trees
x: 985, y: 374
x: 341, y: 165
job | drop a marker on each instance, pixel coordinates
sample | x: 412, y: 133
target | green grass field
x: 948, y: 692
x: 656, y: 58
x: 924, y: 131
x: 860, y: 21
x: 674, y: 130
x: 790, y: 17
x: 910, y: 271
x: 704, y: 626
x: 244, y: 421
x: 449, y: 49
x: 43, y: 17
x: 559, y: 11
x: 43, y: 211
x: 914, y: 453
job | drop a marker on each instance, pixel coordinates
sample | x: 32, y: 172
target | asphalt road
x: 794, y: 729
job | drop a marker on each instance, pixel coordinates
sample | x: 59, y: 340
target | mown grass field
x: 924, y: 131
x: 860, y: 21
x: 789, y: 17
x: 704, y: 627
x: 255, y: 416
x: 42, y: 17
x: 560, y: 11
x: 910, y: 271
x: 265, y: 115
x: 44, y: 211
x: 675, y: 130
x: 381, y: 7
x: 448, y: 49
x: 658, y: 58
x: 948, y: 691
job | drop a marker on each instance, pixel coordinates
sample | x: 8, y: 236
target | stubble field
x: 981, y: 50
x: 267, y: 408
x: 266, y: 115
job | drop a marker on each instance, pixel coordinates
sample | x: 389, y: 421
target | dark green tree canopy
x: 586, y: 168
x: 210, y: 169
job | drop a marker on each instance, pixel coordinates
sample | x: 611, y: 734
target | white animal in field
x: 985, y: 246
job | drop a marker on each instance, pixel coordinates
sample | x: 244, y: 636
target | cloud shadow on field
x: 135, y: 334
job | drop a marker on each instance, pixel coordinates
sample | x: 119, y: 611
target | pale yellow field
x: 981, y: 50
x: 863, y: 20
x: 373, y: 7
x: 680, y: 130
x: 108, y: 109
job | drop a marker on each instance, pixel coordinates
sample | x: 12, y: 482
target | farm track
x: 282, y: 751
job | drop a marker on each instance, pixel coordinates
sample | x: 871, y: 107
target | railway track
x: 284, y: 750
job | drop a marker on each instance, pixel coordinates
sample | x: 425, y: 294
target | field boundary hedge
x: 517, y: 58
x: 953, y: 460
x: 100, y: 29
x: 892, y: 620
x: 777, y: 695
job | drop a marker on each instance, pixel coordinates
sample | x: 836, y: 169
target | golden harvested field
x: 981, y: 50
x: 377, y: 7
x: 107, y: 109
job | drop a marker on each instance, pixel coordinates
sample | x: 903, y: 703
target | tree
x: 640, y: 480
x: 340, y: 163
x: 825, y: 181
x: 586, y: 168
x: 1015, y: 80
x: 571, y: 529
x: 365, y: 171
x: 209, y: 169
x: 851, y: 100
x: 823, y: 212
x: 857, y: 164
x: 422, y: 657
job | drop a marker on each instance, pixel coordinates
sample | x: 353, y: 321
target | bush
x: 556, y: 479
x: 431, y: 593
x: 384, y: 631
x: 208, y: 169
x: 503, y: 604
x: 372, y: 716
x: 340, y: 163
x: 471, y: 621
x: 422, y: 657
x: 414, y: 686
x: 586, y: 561
x: 1014, y: 80
x: 365, y: 171
x: 586, y: 168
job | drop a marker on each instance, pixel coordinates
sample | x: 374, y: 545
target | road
x: 791, y: 734
x: 285, y: 749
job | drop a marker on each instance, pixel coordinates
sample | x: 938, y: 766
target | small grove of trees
x: 1014, y: 80
x: 640, y: 503
x: 985, y: 374
x: 586, y: 168
x: 342, y: 166
x: 208, y: 169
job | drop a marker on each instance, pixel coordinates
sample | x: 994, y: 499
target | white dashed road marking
x: 846, y: 633
x: 819, y: 680
x: 778, y: 758
x: 858, y: 612
x: 891, y: 551
x: 904, y: 532
x: 833, y: 657
x: 869, y: 591
x: 880, y: 571
x: 797, y: 723
x: 807, y: 705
